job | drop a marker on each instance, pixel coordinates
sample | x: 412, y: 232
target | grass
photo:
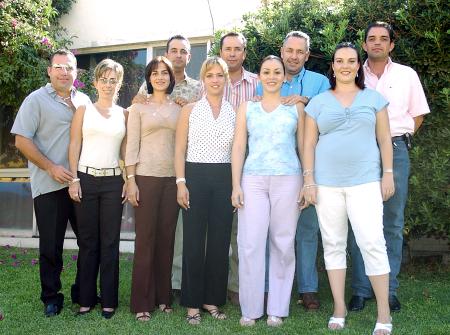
x: 425, y: 297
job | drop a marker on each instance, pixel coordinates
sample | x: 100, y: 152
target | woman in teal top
x: 347, y: 141
x: 270, y: 182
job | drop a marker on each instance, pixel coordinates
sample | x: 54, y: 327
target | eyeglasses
x: 63, y: 67
x: 111, y: 81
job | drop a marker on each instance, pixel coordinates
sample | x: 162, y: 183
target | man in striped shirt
x: 240, y: 88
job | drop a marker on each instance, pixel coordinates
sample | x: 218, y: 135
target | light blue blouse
x: 271, y: 141
x: 347, y: 153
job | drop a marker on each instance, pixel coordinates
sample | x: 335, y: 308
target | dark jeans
x: 206, y: 235
x: 156, y: 220
x: 393, y: 222
x: 53, y: 210
x: 99, y: 216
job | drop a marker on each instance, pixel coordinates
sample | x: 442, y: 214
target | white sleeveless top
x: 209, y: 139
x: 102, y: 138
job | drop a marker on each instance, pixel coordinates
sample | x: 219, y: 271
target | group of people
x: 291, y: 151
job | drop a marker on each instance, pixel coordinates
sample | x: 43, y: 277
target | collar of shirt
x: 297, y: 78
x: 386, y: 68
x: 246, y: 76
x: 53, y: 93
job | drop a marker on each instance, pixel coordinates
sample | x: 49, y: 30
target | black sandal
x: 194, y: 319
x: 216, y: 313
x: 166, y: 308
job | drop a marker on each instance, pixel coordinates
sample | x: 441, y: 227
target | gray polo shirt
x: 45, y: 119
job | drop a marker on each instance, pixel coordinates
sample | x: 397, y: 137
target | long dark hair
x: 153, y: 65
x: 359, y: 80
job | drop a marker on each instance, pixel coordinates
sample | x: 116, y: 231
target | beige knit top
x: 151, y: 138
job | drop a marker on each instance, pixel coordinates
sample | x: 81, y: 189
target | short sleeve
x: 379, y: 101
x: 312, y: 108
x: 27, y: 119
x: 324, y: 85
x: 418, y: 104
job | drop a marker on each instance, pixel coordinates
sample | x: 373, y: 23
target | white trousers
x: 270, y: 209
x: 363, y: 206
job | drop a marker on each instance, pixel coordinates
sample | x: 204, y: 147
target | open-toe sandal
x: 382, y: 326
x: 274, y: 321
x: 216, y: 313
x: 194, y: 319
x: 246, y: 322
x: 143, y: 317
x: 165, y: 308
x: 338, y: 321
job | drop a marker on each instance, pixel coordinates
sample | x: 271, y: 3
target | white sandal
x: 382, y: 326
x: 246, y: 322
x: 338, y: 321
x: 274, y: 321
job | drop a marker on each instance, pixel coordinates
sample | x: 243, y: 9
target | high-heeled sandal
x: 194, y: 319
x: 216, y: 313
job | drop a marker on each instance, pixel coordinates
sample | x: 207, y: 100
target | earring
x: 356, y: 74
x: 334, y: 76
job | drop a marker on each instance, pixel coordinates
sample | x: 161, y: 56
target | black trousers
x: 206, y: 235
x: 52, y: 211
x: 99, y: 215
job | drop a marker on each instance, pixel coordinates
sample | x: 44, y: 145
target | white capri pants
x: 363, y: 205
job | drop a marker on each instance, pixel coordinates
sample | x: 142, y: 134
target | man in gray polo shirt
x: 42, y: 129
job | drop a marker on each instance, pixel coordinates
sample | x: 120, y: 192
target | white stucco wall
x: 100, y: 23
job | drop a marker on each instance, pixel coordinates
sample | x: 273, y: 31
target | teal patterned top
x: 272, y: 141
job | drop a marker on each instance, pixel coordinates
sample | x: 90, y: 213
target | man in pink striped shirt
x: 241, y: 88
x: 401, y: 86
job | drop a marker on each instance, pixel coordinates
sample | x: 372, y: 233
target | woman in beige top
x: 152, y: 190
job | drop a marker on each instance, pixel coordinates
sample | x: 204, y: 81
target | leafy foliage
x: 28, y: 35
x: 422, y: 42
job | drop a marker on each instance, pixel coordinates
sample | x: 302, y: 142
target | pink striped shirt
x: 400, y: 85
x: 242, y: 90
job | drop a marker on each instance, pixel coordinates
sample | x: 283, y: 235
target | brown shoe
x: 233, y: 297
x: 309, y: 300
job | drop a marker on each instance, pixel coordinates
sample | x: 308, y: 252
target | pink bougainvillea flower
x: 13, y: 256
x: 78, y: 84
x: 16, y: 263
x: 45, y: 41
x: 34, y: 261
x: 14, y: 22
x: 2, y: 4
x: 74, y: 257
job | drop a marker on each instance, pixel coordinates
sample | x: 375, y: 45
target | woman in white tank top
x: 96, y: 138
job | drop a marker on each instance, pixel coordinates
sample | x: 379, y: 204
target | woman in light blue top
x: 270, y: 180
x: 347, y: 141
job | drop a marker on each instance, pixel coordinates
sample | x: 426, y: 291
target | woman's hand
x: 308, y: 195
x: 124, y: 192
x: 75, y: 191
x: 237, y: 197
x: 132, y: 192
x: 387, y: 185
x: 183, y: 195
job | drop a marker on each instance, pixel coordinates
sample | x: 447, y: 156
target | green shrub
x: 422, y: 31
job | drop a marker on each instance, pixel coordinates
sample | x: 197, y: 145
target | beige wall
x: 107, y: 23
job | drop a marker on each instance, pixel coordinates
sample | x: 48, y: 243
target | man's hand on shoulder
x: 294, y: 99
x: 181, y: 101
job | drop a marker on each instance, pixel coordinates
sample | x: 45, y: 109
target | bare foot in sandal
x: 214, y: 312
x: 165, y: 308
x: 143, y: 316
x: 193, y: 316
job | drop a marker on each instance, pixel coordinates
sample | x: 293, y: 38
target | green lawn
x: 425, y: 296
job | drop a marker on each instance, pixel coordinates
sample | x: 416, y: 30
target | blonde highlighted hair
x: 107, y: 65
x: 210, y: 62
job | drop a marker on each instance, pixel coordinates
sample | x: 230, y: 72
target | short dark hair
x: 381, y: 24
x: 153, y: 65
x: 271, y: 57
x: 359, y: 80
x: 178, y: 37
x: 63, y: 52
x: 233, y: 34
